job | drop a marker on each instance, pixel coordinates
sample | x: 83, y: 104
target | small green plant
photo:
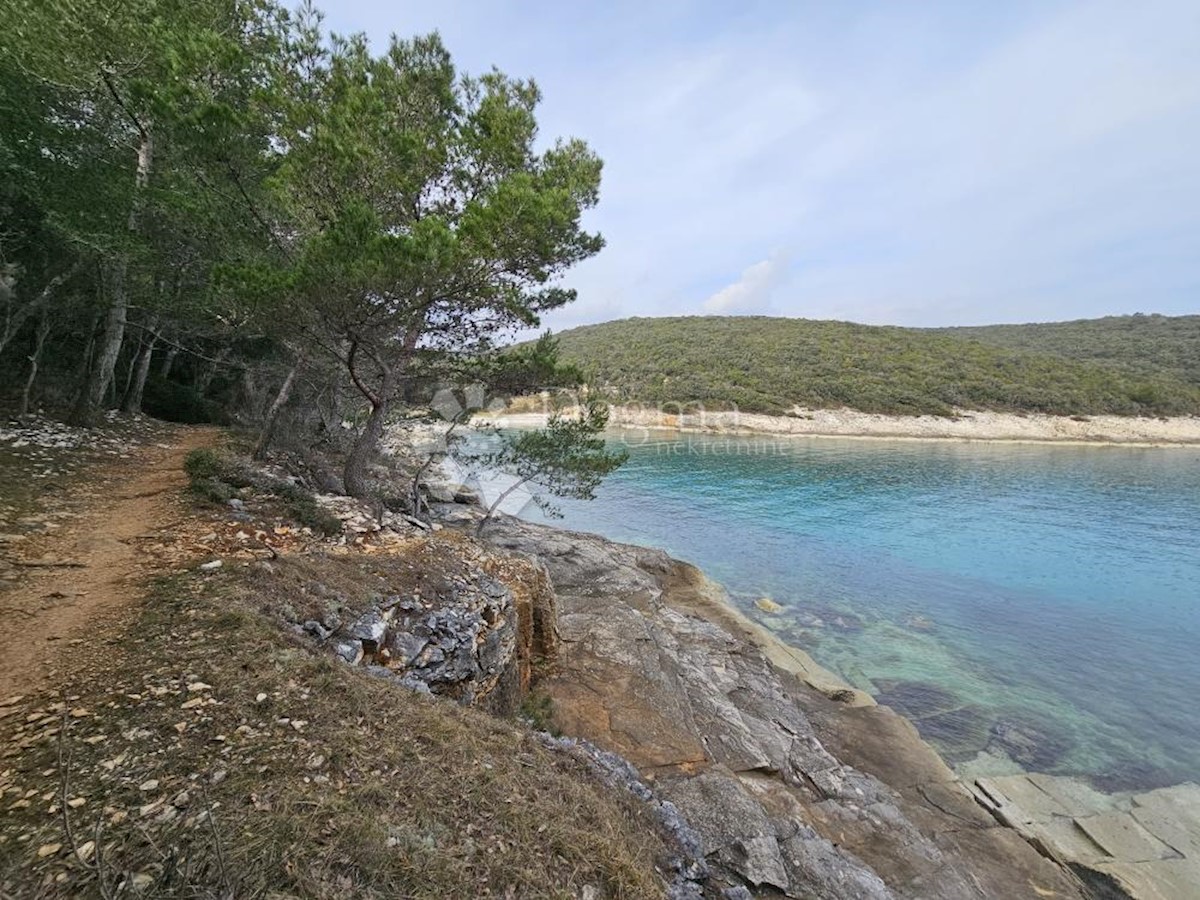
x: 203, y: 463
x: 538, y: 710
x: 312, y: 515
x: 212, y: 490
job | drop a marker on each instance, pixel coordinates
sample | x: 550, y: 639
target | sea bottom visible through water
x: 1028, y: 606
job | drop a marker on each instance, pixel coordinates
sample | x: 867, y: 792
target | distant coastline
x: 967, y: 425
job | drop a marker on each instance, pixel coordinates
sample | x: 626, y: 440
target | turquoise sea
x: 1024, y: 604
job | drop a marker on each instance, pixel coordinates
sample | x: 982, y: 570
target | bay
x: 1028, y: 605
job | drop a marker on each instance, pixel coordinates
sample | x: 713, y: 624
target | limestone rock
x: 767, y: 605
x: 349, y: 651
x: 786, y: 785
x: 405, y: 647
x: 438, y: 491
x: 370, y: 628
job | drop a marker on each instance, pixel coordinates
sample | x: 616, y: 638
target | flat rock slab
x: 1121, y: 837
x: 1147, y: 843
x: 1173, y: 814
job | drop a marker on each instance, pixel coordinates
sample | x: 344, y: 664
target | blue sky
x: 910, y: 163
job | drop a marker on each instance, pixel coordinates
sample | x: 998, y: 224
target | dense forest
x: 770, y: 365
x: 215, y: 210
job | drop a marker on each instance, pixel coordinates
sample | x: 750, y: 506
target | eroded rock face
x: 779, y: 780
x: 474, y: 640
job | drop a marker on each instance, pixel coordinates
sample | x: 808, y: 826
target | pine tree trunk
x: 114, y: 325
x: 14, y: 321
x: 43, y: 331
x: 281, y: 398
x: 360, y: 457
x: 365, y: 448
x: 110, y: 345
x: 204, y: 382
x: 133, y: 397
x: 135, y: 359
x: 85, y: 372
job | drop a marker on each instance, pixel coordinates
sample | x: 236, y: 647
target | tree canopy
x: 220, y: 210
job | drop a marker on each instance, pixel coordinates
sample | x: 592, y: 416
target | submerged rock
x: 1027, y: 743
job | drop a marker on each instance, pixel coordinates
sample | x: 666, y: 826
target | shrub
x: 203, y: 463
x: 216, y: 478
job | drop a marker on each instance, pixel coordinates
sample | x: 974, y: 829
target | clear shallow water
x: 1035, y: 603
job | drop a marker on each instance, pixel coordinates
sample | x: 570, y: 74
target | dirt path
x: 91, y: 570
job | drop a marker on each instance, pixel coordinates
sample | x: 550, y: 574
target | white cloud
x: 752, y: 292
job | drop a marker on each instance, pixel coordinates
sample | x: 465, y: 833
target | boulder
x: 467, y: 496
x: 405, y: 648
x: 349, y: 651
x: 317, y: 630
x: 438, y: 492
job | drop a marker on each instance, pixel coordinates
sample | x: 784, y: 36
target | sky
x: 907, y: 163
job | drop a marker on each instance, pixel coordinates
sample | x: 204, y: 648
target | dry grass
x: 211, y: 754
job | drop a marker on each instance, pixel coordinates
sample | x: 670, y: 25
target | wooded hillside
x: 762, y: 364
x: 1140, y: 344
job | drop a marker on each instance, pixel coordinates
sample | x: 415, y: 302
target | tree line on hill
x: 216, y: 210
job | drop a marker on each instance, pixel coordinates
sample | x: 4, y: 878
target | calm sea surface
x: 1023, y: 604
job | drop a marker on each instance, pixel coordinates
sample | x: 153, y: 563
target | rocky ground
x: 363, y: 702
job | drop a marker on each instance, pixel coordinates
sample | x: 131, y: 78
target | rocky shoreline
x: 795, y: 783
x: 801, y: 786
x: 965, y: 425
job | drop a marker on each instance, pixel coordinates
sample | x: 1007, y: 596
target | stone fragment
x: 317, y: 630
x: 405, y: 647
x: 350, y: 651
x: 370, y: 628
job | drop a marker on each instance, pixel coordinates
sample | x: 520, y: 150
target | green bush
x: 203, y: 463
x: 212, y: 489
x: 312, y: 515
